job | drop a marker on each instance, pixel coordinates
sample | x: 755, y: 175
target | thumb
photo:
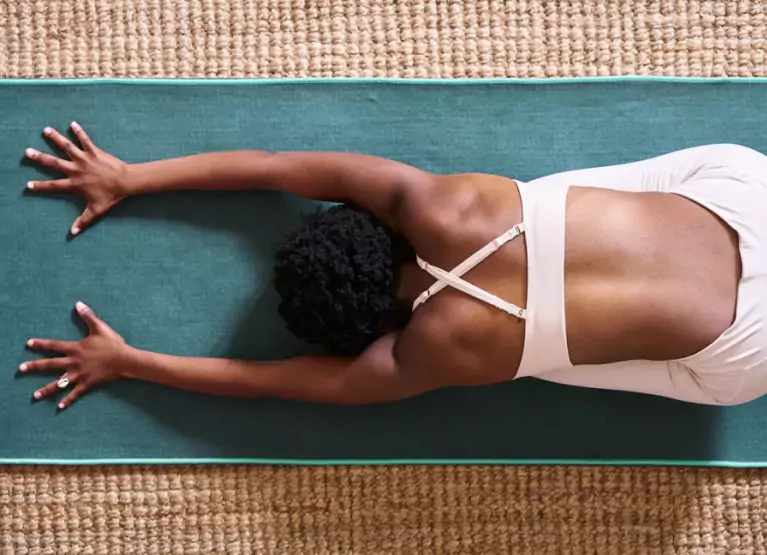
x: 85, y: 219
x: 91, y: 320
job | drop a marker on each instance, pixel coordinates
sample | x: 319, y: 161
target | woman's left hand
x: 100, y: 358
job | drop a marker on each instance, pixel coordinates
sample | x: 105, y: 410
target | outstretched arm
x: 378, y: 375
x: 370, y: 182
x: 373, y: 183
x: 375, y: 376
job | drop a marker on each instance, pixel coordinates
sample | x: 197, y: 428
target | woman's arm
x: 370, y: 182
x: 375, y: 376
x: 373, y: 183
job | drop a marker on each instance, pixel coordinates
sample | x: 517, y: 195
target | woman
x: 648, y: 277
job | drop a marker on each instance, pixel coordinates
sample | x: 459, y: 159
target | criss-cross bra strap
x: 453, y: 278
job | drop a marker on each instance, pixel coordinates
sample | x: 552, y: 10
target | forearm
x: 331, y: 380
x: 231, y: 170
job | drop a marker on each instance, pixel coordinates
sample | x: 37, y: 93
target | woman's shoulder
x: 474, y: 342
x: 462, y: 212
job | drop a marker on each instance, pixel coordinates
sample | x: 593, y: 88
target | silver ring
x: 63, y: 382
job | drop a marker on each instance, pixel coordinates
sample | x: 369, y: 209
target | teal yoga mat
x: 189, y: 273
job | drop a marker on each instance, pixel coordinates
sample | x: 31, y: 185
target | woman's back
x: 646, y: 274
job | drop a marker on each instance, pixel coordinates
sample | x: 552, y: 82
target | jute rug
x: 419, y: 510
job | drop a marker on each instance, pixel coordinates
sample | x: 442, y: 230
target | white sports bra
x: 543, y: 210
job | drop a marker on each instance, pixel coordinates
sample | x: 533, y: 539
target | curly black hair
x: 337, y: 277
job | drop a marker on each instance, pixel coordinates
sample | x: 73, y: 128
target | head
x: 337, y: 278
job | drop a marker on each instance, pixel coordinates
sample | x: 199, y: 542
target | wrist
x: 133, y: 363
x: 129, y: 180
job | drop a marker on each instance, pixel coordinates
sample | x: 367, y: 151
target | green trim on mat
x: 384, y: 80
x: 390, y: 462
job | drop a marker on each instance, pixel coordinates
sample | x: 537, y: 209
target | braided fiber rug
x: 536, y: 510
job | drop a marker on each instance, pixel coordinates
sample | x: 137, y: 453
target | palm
x: 89, y: 171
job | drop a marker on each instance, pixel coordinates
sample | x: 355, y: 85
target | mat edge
x: 384, y: 462
x: 381, y: 80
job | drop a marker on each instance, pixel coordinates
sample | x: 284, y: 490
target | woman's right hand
x: 91, y: 172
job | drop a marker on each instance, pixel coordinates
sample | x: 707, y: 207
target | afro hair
x: 337, y: 277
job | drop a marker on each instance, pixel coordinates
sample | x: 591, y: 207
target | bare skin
x: 638, y: 268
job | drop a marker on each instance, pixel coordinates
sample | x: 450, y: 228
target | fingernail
x: 31, y: 185
x: 80, y: 306
x: 75, y: 230
x: 62, y: 406
x: 30, y: 343
x: 47, y: 131
x: 31, y: 152
x: 75, y: 125
x: 23, y: 368
x: 37, y: 395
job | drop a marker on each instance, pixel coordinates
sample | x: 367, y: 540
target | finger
x: 85, y: 219
x: 55, y: 186
x: 90, y: 319
x: 83, y: 137
x: 77, y: 392
x: 47, y: 390
x: 63, y: 166
x: 52, y: 345
x: 63, y: 143
x: 47, y: 364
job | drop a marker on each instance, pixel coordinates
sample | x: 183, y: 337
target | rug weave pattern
x: 377, y: 38
x: 228, y: 509
x: 418, y: 510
